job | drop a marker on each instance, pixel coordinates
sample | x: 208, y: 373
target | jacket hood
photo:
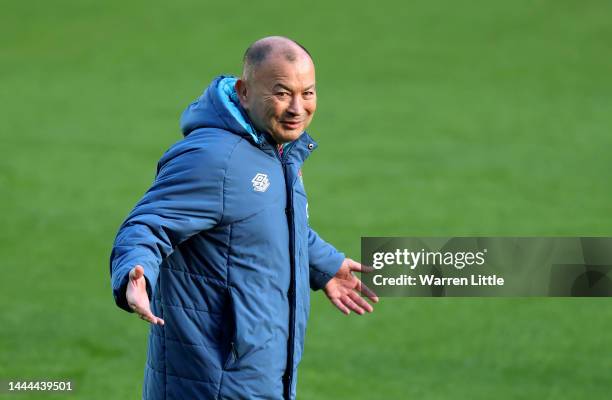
x: 219, y: 107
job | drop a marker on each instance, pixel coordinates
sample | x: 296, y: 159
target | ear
x: 241, y: 91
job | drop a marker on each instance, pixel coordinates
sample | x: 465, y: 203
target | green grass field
x: 434, y: 118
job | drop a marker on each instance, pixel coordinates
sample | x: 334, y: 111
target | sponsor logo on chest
x: 261, y: 183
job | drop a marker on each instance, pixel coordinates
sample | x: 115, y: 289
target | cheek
x: 311, y: 107
x: 274, y: 109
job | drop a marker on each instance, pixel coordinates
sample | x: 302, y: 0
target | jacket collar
x: 295, y: 152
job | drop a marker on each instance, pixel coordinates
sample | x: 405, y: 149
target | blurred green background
x: 438, y: 118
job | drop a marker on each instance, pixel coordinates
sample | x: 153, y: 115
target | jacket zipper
x: 292, y: 295
x: 283, y: 158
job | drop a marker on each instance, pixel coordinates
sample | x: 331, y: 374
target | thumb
x: 137, y: 272
x: 358, y: 267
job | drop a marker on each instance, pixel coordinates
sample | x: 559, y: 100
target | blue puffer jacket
x: 228, y: 255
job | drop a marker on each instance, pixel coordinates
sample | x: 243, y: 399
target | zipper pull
x: 232, y: 357
x: 234, y: 352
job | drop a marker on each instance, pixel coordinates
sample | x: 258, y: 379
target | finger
x: 341, y: 306
x: 352, y: 305
x: 360, y: 301
x: 143, y: 312
x: 159, y: 321
x: 363, y: 289
x: 149, y: 317
x: 355, y: 266
x: 138, y: 309
x: 367, y: 269
x: 153, y: 319
x: 137, y: 272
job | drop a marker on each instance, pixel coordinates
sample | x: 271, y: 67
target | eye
x: 309, y: 93
x: 282, y: 94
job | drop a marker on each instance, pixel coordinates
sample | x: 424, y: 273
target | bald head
x: 272, y: 48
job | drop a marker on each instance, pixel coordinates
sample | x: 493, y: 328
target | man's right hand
x: 137, y: 297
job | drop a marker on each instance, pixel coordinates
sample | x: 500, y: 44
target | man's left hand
x: 344, y: 289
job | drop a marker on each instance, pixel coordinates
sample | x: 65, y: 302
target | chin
x: 287, y: 136
x: 295, y: 135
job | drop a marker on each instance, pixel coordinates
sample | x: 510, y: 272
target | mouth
x: 291, y: 124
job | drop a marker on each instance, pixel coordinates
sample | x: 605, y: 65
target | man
x: 221, y: 240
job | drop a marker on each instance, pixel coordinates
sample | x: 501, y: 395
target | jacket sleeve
x: 185, y: 198
x: 324, y: 260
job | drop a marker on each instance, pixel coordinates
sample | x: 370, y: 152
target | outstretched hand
x: 137, y: 297
x: 344, y: 288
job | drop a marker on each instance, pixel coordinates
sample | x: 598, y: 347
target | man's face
x: 280, y: 97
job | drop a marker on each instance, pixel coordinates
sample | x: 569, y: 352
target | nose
x: 296, y: 107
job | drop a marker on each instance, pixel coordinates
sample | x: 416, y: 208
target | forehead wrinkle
x: 280, y: 67
x: 275, y: 74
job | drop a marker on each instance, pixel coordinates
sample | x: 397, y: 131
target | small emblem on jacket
x: 260, y: 182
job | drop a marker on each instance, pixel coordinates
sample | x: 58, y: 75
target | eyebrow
x: 289, y: 90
